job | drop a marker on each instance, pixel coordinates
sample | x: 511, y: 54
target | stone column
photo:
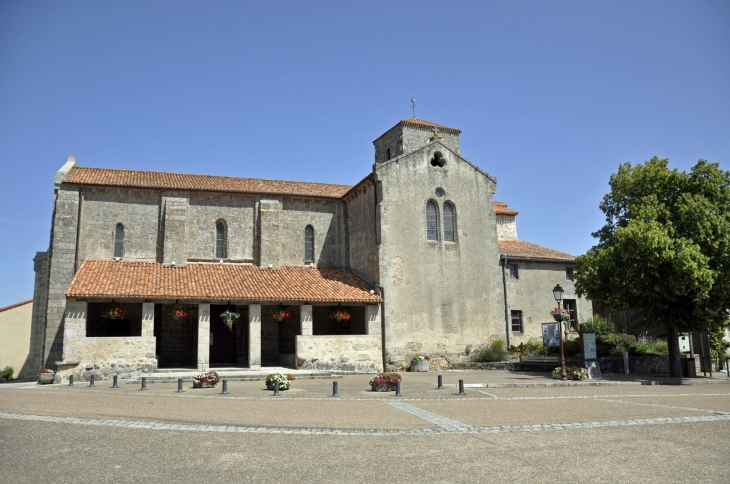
x: 74, y: 328
x: 148, y: 319
x: 254, y: 336
x: 372, y: 320
x: 203, y: 336
x: 305, y: 320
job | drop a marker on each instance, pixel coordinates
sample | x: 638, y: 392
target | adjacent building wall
x: 363, y: 253
x: 15, y: 343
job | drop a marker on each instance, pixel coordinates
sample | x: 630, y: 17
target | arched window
x: 220, y: 240
x: 309, y: 243
x: 449, y: 223
x: 119, y: 241
x: 432, y: 222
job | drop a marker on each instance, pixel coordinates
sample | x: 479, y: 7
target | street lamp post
x: 558, y: 294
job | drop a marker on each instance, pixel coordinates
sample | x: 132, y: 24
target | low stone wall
x: 500, y: 365
x: 104, y: 357
x: 340, y: 352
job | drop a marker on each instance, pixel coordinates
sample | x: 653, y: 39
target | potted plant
x: 114, y: 313
x: 419, y: 363
x: 560, y: 314
x: 281, y: 314
x: 573, y: 372
x: 229, y: 317
x: 385, y: 381
x: 46, y: 376
x: 340, y: 315
x: 284, y: 381
x: 178, y: 314
x: 206, y: 380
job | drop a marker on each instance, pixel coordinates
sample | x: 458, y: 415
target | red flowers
x: 281, y: 314
x: 340, y: 315
x: 114, y: 313
x: 177, y: 313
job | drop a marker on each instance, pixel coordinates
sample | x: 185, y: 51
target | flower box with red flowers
x: 340, y: 315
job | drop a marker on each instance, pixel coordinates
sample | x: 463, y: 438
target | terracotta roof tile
x: 181, y: 181
x: 526, y: 250
x: 500, y: 208
x: 148, y: 280
x: 423, y: 122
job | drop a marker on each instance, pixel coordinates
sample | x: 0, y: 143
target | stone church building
x: 417, y: 256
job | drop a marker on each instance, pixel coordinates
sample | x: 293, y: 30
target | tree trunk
x: 675, y: 365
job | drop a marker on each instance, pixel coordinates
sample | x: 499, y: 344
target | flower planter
x: 270, y: 386
x: 383, y: 387
x: 419, y: 365
x: 203, y: 384
x: 46, y: 378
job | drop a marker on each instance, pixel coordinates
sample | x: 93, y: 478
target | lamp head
x: 558, y: 293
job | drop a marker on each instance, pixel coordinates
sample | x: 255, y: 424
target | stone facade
x: 440, y: 297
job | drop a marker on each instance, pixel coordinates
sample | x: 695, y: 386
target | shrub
x: 496, y: 351
x: 620, y: 342
x: 571, y: 347
x: 533, y: 347
x: 600, y: 327
x: 650, y: 346
x: 7, y: 372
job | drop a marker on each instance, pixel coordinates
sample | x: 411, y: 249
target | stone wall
x: 325, y: 216
x: 506, y: 227
x: 363, y: 253
x: 104, y: 357
x: 238, y: 214
x: 345, y: 353
x: 439, y: 296
x: 40, y: 309
x: 403, y: 139
x: 532, y: 294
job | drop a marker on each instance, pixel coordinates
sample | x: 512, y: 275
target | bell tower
x: 411, y: 134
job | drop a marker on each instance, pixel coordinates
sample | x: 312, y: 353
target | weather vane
x: 414, y: 100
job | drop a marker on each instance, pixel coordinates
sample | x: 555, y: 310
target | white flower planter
x: 419, y: 365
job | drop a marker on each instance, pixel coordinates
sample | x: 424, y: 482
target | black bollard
x: 71, y: 381
x: 91, y: 381
x: 179, y: 385
x: 225, y: 387
x: 372, y: 387
x: 397, y: 389
x: 335, y: 393
x: 144, y: 383
x: 441, y: 383
x: 461, y: 387
x: 276, y: 389
x: 114, y: 384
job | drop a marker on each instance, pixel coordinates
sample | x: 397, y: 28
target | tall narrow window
x: 388, y: 153
x: 220, y: 240
x: 309, y: 243
x: 119, y: 241
x: 449, y: 225
x: 432, y: 223
x: 516, y: 321
x: 514, y: 271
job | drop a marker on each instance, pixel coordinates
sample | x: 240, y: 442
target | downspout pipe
x: 381, y: 290
x: 506, y: 296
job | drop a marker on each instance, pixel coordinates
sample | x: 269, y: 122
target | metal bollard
x: 91, y: 381
x: 335, y: 393
x: 144, y: 383
x: 114, y: 384
x: 461, y: 387
x: 727, y: 366
x: 276, y: 389
x: 71, y: 381
x: 441, y: 383
x: 225, y: 387
x: 372, y: 387
x: 397, y: 389
x: 179, y: 385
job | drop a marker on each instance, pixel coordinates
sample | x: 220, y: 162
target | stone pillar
x: 372, y: 320
x: 270, y: 240
x: 74, y: 328
x: 148, y: 319
x: 305, y: 320
x: 174, y: 211
x: 254, y: 336
x: 203, y: 336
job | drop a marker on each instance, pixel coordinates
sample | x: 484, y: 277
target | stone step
x: 235, y: 374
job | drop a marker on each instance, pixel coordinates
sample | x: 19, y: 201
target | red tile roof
x: 181, y: 181
x: 148, y: 280
x: 500, y: 208
x: 526, y: 250
x: 16, y: 305
x: 429, y: 124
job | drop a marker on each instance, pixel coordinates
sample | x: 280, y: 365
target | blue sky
x: 551, y: 96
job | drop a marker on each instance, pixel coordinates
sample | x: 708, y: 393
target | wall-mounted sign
x: 550, y: 334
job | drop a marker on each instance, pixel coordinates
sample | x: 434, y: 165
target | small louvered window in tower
x: 432, y: 225
x: 309, y: 243
x: 119, y: 241
x: 220, y: 240
x: 449, y: 225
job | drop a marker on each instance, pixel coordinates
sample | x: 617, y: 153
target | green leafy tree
x: 665, y: 248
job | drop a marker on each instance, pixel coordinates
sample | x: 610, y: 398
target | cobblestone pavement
x: 610, y: 433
